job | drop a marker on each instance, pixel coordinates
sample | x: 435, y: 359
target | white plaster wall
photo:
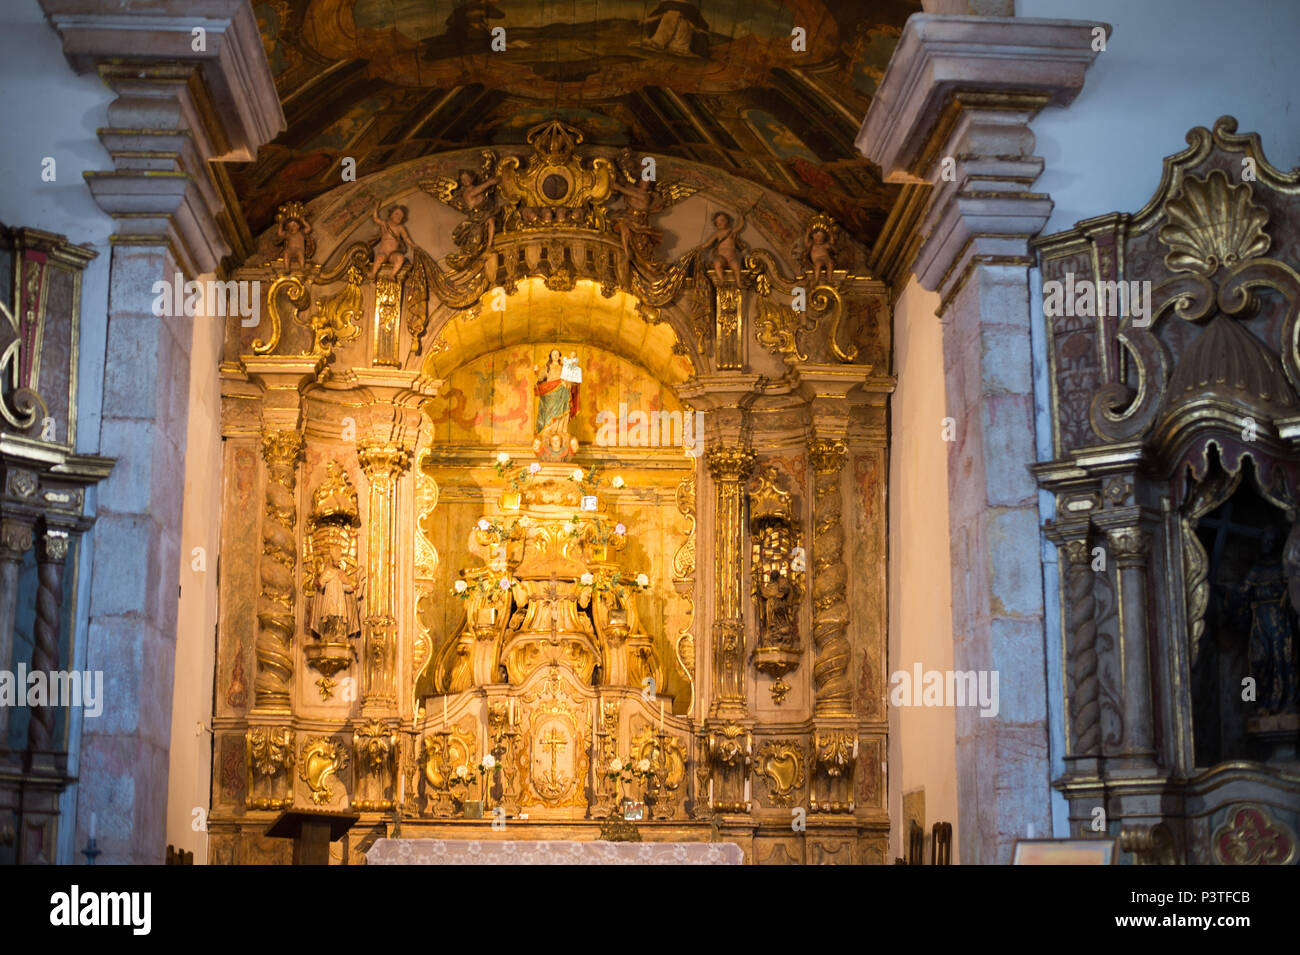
x: 922, y: 740
x: 190, y: 756
x: 48, y: 110
x: 1169, y: 65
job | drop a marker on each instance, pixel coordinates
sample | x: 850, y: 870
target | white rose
x: 503, y: 459
x: 534, y: 468
x: 461, y: 772
x: 643, y: 580
x: 461, y: 586
x: 616, y: 765
x: 484, y: 524
x: 577, y: 474
x: 505, y: 583
x: 643, y: 766
x: 587, y: 580
x: 620, y: 529
x: 618, y: 481
x: 488, y: 762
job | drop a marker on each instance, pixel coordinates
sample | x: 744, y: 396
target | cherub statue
x: 819, y: 247
x: 726, y: 245
x: 472, y: 194
x: 394, y: 240
x: 294, y: 231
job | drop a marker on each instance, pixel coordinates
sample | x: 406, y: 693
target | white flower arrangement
x: 642, y: 580
x: 576, y: 474
x: 620, y: 529
x: 534, y: 468
x: 484, y: 524
x: 504, y: 583
x: 460, y: 586
x: 587, y: 579
x: 503, y: 459
x: 618, y: 481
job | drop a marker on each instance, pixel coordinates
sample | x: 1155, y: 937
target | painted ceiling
x: 715, y: 81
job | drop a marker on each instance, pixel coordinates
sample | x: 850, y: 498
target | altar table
x: 536, y: 852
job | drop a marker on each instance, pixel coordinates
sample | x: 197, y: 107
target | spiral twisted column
x: 832, y: 689
x: 51, y: 554
x: 282, y: 451
x: 1081, y: 643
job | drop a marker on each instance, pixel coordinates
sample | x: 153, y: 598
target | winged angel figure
x: 643, y: 198
x: 473, y: 194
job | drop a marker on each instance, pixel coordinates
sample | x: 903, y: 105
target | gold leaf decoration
x: 1212, y: 224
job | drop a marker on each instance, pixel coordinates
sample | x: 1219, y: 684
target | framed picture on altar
x: 589, y: 502
x: 1065, y: 852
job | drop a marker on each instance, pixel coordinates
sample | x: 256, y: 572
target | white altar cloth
x: 536, y: 852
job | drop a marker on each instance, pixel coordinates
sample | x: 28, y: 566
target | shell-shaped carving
x: 1211, y: 223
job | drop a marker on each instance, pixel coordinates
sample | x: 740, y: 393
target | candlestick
x: 661, y: 716
x: 746, y: 789
x: 512, y: 711
x: 855, y: 747
x: 401, y: 788
x: 444, y: 712
x: 93, y: 820
x: 710, y: 793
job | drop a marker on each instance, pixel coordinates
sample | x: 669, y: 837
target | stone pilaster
x: 953, y: 112
x: 178, y: 108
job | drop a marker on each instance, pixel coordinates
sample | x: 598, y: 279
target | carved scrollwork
x: 780, y: 763
x: 321, y: 758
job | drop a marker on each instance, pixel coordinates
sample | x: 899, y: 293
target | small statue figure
x: 634, y: 227
x: 727, y: 246
x: 819, y: 247
x: 557, y: 401
x: 1266, y: 591
x: 334, y: 615
x: 294, y: 231
x: 393, y: 242
x: 775, y: 594
x: 475, y: 234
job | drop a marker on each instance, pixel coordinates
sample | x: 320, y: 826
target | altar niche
x: 1244, y: 662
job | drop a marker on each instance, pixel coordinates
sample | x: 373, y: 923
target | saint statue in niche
x: 1265, y: 591
x: 557, y: 402
x: 334, y: 615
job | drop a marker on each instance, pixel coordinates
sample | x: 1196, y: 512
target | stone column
x: 276, y: 620
x: 15, y: 541
x: 383, y: 465
x: 178, y: 108
x: 953, y: 112
x: 729, y: 467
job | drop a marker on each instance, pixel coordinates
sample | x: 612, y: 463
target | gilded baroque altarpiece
x: 537, y: 516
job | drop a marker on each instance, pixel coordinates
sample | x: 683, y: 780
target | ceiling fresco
x: 716, y: 82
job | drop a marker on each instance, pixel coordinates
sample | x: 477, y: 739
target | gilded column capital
x: 1130, y: 545
x: 15, y: 539
x: 384, y: 460
x: 827, y: 455
x: 729, y: 463
x: 1077, y: 551
x: 53, y: 546
x: 282, y: 448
